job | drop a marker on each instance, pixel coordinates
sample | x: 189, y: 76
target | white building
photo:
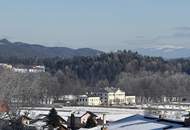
x: 6, y: 66
x: 37, y: 69
x: 88, y: 100
x: 111, y: 96
x: 130, y: 100
x: 25, y: 69
x: 20, y: 70
x: 94, y: 101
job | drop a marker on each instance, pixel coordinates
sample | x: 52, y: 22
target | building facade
x: 130, y: 100
x: 111, y: 96
x: 85, y: 100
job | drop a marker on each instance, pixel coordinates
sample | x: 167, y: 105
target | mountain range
x: 25, y: 50
x: 169, y: 52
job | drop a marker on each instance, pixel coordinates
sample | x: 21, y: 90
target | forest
x: 138, y: 75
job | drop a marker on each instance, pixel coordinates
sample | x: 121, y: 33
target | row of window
x: 87, y: 99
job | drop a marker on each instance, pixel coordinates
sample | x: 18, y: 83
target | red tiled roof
x: 4, y: 106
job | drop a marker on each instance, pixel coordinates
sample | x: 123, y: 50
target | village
x: 22, y: 68
x: 108, y: 108
x: 86, y: 118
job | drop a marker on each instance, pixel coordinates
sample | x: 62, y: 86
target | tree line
x: 136, y: 74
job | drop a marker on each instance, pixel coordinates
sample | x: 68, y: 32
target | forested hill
x: 109, y: 66
x: 136, y: 74
x: 24, y: 50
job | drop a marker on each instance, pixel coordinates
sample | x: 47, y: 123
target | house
x: 93, y: 101
x: 82, y: 100
x: 37, y: 69
x: 30, y: 69
x: 19, y: 70
x: 47, y: 100
x: 130, y: 100
x: 88, y: 100
x: 6, y: 66
x: 111, y: 96
x: 25, y: 120
x: 66, y: 100
x: 80, y: 119
x: 4, y: 106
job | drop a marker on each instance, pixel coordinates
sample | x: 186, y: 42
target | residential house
x: 79, y: 119
x: 25, y: 120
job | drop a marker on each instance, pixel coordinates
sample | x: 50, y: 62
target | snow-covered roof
x: 138, y: 122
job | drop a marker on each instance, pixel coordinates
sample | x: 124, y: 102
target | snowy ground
x: 112, y: 115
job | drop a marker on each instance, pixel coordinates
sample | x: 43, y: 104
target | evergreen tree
x: 53, y: 119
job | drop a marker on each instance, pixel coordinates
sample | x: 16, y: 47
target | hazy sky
x: 101, y: 24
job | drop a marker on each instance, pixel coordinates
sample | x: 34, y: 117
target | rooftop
x: 139, y: 122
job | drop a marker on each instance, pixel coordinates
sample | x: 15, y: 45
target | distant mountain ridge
x: 165, y: 52
x: 25, y: 50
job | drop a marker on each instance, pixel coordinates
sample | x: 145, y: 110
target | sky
x: 101, y: 24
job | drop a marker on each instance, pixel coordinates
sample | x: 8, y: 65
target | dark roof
x: 61, y: 119
x: 91, y: 113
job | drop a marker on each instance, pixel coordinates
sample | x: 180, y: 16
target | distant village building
x: 30, y: 69
x: 47, y: 100
x: 66, y: 100
x: 130, y: 99
x: 111, y: 96
x: 106, y: 96
x: 26, y: 101
x: 37, y: 69
x: 94, y: 101
x: 20, y: 70
x: 88, y: 100
x: 6, y: 66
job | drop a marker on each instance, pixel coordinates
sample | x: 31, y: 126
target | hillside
x: 24, y: 50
